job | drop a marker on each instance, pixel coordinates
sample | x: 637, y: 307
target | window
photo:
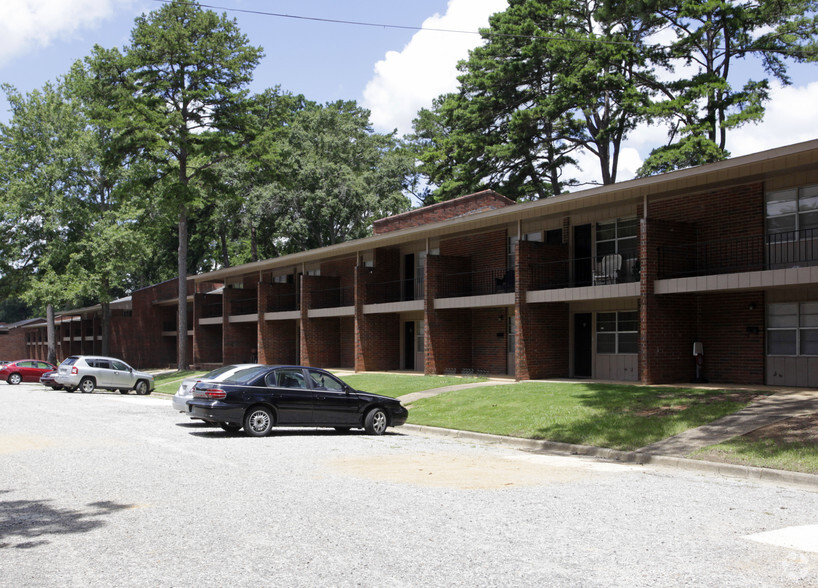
x: 618, y: 236
x: 324, y: 381
x: 617, y: 332
x: 795, y: 209
x: 792, y: 328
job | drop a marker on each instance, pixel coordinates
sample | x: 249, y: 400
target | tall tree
x: 552, y: 78
x: 713, y: 96
x: 333, y: 177
x: 179, y: 90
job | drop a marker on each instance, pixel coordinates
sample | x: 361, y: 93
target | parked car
x: 259, y: 398
x: 25, y: 370
x: 89, y: 372
x: 47, y: 379
x: 185, y: 391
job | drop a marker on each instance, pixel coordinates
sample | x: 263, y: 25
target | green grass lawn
x: 764, y: 453
x: 616, y: 416
x: 395, y: 385
x: 169, y: 383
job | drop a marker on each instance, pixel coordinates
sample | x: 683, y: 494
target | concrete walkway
x: 763, y: 412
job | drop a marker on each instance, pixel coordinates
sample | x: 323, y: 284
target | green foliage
x: 331, y: 176
x: 551, y: 78
x: 701, y: 106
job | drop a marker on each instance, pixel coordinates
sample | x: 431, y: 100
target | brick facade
x: 450, y: 209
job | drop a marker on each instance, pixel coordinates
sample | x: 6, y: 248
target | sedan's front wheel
x: 15, y: 379
x: 258, y: 422
x: 375, y: 422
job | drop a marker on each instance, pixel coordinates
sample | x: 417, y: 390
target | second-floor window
x: 618, y: 236
x: 795, y: 209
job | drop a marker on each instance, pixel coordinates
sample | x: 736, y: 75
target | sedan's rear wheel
x: 141, y: 387
x: 15, y: 379
x: 87, y: 385
x: 258, y: 422
x: 375, y: 422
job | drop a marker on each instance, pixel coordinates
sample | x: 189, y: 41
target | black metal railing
x: 477, y: 283
x: 740, y: 254
x: 244, y: 306
x: 621, y: 268
x: 212, y: 309
x: 394, y: 291
x: 332, y: 297
x: 282, y: 302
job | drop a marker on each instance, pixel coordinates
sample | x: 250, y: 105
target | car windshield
x: 246, y: 375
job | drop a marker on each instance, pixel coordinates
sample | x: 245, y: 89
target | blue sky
x: 391, y: 71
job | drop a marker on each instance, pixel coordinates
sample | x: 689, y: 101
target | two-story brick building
x: 611, y: 283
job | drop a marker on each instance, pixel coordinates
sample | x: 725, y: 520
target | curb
x: 807, y: 481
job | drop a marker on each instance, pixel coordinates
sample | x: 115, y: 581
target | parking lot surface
x: 110, y: 490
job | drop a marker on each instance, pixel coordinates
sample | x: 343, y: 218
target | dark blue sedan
x: 259, y: 398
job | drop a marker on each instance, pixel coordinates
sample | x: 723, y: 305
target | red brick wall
x: 669, y: 328
x: 488, y: 340
x: 470, y: 204
x: 732, y: 334
x: 485, y: 250
x: 13, y: 345
x: 378, y: 346
x: 239, y: 340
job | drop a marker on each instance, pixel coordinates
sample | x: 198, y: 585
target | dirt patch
x: 800, y: 429
x: 15, y: 443
x: 472, y: 472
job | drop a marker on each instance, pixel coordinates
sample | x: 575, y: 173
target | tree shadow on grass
x: 629, y: 417
x: 25, y: 524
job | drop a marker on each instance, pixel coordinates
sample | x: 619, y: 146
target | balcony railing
x: 479, y: 283
x: 332, y: 297
x: 586, y: 271
x: 212, y: 309
x: 244, y: 306
x: 395, y: 291
x: 743, y: 254
x: 283, y: 302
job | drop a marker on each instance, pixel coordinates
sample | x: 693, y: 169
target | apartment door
x: 583, y: 252
x: 583, y: 345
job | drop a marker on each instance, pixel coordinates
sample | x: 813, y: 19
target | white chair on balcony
x: 607, y: 270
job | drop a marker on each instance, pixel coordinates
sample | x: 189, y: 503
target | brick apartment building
x: 613, y: 283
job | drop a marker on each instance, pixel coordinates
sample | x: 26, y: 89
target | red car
x: 25, y: 370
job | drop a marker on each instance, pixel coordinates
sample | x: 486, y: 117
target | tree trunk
x: 181, y: 331
x: 50, y: 333
x: 105, y: 327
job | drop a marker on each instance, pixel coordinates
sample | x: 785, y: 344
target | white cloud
x: 409, y: 80
x: 29, y: 24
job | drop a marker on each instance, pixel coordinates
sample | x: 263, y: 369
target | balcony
x: 478, y: 283
x: 332, y: 297
x: 212, y: 309
x: 241, y: 306
x: 283, y: 302
x: 745, y: 254
x: 621, y: 268
x: 394, y: 291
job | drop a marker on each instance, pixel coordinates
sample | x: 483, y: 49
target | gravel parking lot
x: 111, y: 490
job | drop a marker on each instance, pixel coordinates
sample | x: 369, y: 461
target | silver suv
x: 88, y: 372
